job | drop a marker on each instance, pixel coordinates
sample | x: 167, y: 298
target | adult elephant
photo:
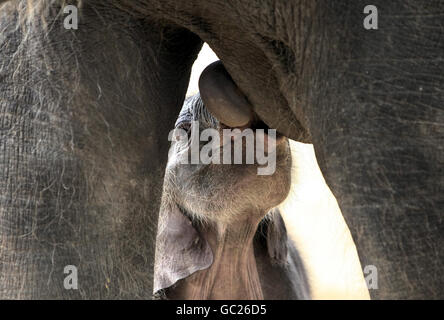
x: 84, y: 118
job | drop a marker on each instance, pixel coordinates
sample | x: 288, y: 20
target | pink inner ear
x: 180, y: 250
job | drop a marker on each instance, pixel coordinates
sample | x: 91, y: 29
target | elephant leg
x: 377, y: 128
x: 84, y: 121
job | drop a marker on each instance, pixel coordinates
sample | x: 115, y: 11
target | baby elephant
x: 220, y: 234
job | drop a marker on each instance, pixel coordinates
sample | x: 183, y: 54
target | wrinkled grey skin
x: 220, y: 236
x: 84, y: 116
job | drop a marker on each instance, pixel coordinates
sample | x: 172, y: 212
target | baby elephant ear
x: 180, y: 250
x: 276, y: 237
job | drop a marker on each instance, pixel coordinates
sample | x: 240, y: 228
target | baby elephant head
x: 214, y: 179
x: 220, y: 152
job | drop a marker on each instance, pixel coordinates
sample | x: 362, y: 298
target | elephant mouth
x: 256, y: 124
x: 229, y: 105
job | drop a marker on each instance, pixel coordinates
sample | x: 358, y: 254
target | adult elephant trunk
x: 84, y: 120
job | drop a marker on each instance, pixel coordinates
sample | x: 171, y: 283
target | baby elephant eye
x: 184, y: 126
x: 182, y: 132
